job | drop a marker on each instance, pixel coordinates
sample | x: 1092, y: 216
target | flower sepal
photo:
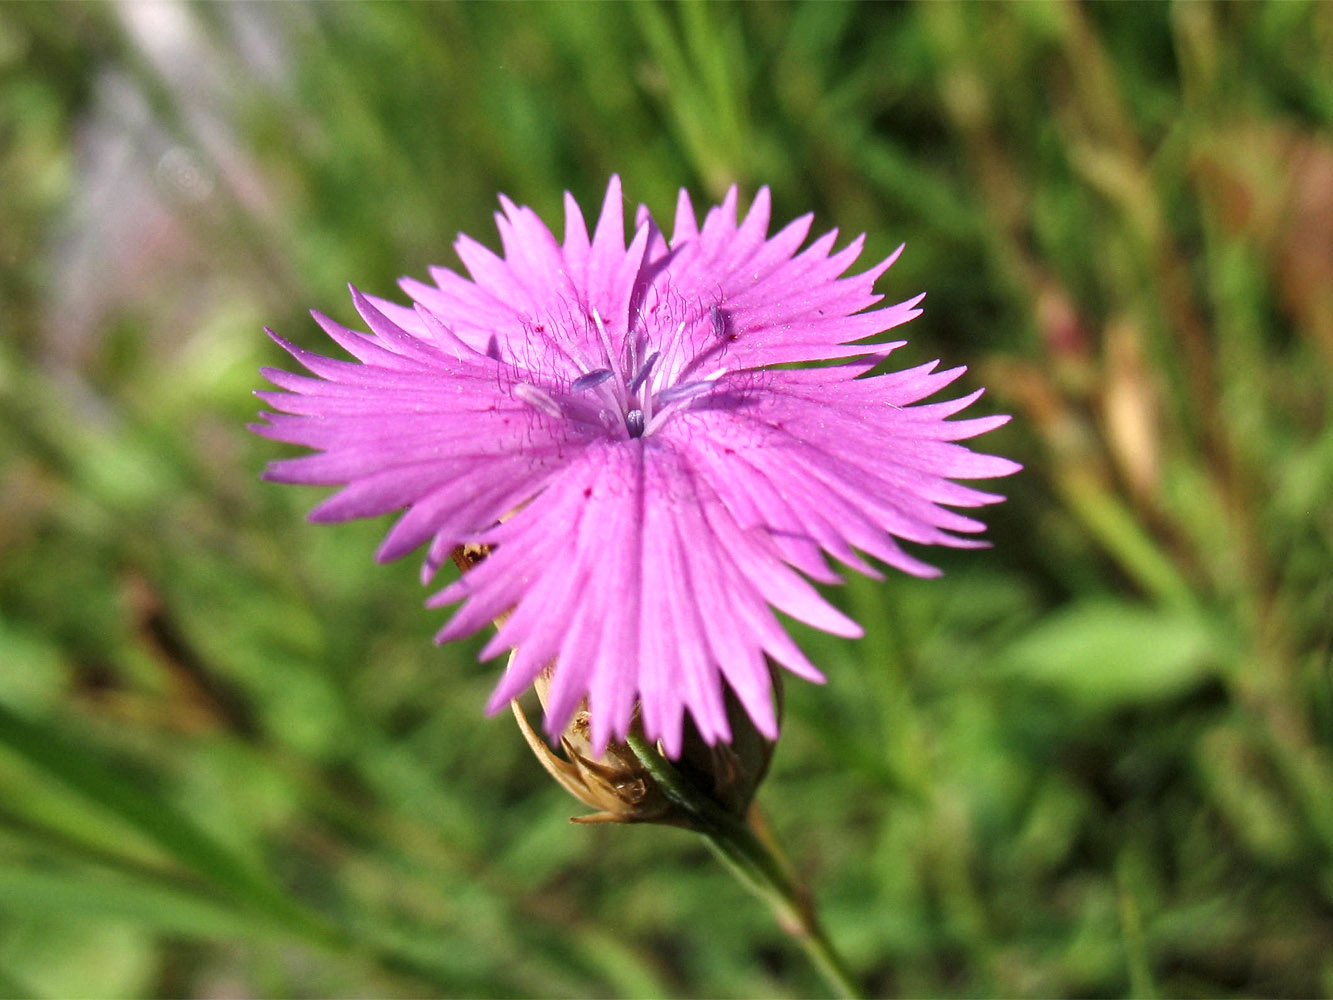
x: 623, y: 788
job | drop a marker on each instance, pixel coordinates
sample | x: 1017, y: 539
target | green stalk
x: 756, y: 862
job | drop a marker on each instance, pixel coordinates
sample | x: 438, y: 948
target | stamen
x: 538, y: 399
x: 671, y: 347
x: 617, y: 390
x: 591, y: 380
x: 645, y: 371
x: 601, y: 332
x: 686, y: 390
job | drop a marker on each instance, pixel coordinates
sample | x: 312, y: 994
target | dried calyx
x: 620, y: 786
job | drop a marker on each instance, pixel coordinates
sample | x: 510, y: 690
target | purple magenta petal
x: 623, y: 427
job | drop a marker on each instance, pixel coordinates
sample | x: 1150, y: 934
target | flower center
x: 633, y: 390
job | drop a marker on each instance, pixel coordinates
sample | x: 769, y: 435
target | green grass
x: 1096, y: 760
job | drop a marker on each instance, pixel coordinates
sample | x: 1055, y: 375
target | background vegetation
x: 1096, y: 760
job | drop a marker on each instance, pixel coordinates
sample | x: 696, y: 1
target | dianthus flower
x: 648, y: 441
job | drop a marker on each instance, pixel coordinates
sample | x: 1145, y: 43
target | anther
x: 719, y: 320
x: 634, y: 423
x: 591, y: 380
x: 645, y: 371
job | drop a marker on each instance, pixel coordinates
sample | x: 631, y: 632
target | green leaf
x: 151, y: 816
x: 34, y: 674
x: 75, y: 956
x: 107, y: 896
x: 1107, y: 654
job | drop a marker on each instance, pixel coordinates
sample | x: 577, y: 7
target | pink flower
x: 621, y: 426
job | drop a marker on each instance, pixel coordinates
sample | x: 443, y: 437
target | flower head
x: 648, y: 443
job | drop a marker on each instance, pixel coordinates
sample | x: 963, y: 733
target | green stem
x: 756, y: 862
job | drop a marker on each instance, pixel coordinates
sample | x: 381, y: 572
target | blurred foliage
x: 1097, y: 760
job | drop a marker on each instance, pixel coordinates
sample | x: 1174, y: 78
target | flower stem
x: 750, y: 851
